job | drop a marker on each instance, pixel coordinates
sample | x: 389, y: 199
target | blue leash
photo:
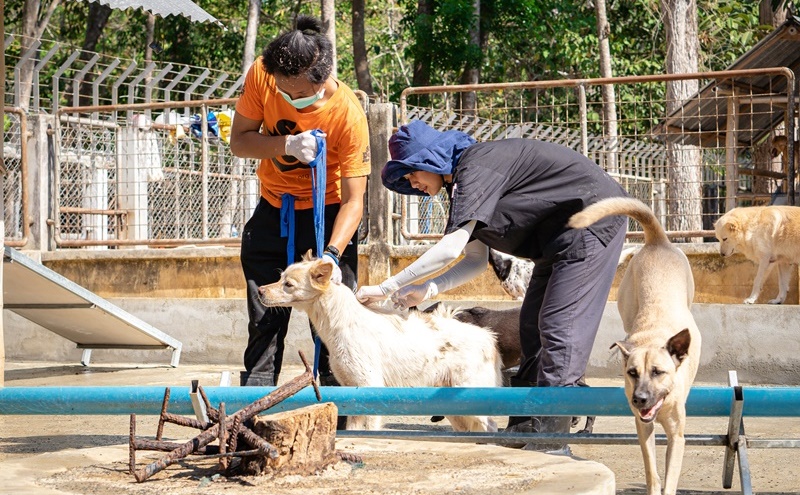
x: 319, y: 179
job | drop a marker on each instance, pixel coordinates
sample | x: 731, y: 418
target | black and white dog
x: 514, y: 273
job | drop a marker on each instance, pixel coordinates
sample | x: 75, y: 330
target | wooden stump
x: 305, y: 439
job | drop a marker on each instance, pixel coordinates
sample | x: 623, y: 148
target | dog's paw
x: 777, y: 300
x: 750, y: 300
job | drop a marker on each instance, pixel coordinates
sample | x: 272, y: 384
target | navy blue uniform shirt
x: 522, y: 192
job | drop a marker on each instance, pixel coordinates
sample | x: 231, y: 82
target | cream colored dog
x: 662, y: 350
x: 373, y: 349
x: 767, y: 236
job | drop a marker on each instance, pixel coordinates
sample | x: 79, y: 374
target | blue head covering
x: 417, y: 146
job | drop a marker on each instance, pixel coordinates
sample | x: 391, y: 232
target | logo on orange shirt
x: 286, y: 163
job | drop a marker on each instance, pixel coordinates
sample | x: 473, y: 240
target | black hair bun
x: 308, y: 24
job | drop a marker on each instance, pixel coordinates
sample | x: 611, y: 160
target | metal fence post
x: 378, y: 198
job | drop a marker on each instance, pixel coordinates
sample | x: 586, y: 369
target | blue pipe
x: 422, y: 401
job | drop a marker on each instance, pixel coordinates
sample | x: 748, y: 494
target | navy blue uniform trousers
x: 562, y: 309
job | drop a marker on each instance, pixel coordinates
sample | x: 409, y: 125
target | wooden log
x: 305, y: 439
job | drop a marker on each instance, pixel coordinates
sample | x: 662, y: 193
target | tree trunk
x: 305, y: 439
x: 684, y: 205
x: 471, y: 73
x: 95, y: 23
x: 422, y: 53
x: 360, y: 59
x: 609, y: 103
x: 329, y: 26
x: 769, y: 17
x: 250, y: 34
x: 30, y: 12
x: 762, y: 156
x: 31, y: 27
x: 149, y: 43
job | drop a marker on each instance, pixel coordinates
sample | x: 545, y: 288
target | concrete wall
x: 197, y: 296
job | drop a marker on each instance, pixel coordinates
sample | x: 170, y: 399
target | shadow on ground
x: 54, y: 443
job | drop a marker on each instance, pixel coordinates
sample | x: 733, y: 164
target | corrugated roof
x: 707, y: 110
x: 164, y: 8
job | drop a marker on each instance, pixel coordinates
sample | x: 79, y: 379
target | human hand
x: 412, y: 295
x: 336, y: 274
x: 369, y: 294
x: 302, y: 146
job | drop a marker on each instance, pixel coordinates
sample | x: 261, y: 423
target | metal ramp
x: 50, y: 300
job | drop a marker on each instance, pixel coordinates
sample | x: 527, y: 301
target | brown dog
x: 662, y: 351
x: 504, y: 323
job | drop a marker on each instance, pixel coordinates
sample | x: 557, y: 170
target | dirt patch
x: 388, y: 468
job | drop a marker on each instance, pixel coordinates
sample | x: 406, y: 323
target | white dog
x: 373, y: 349
x: 767, y: 236
x: 662, y: 350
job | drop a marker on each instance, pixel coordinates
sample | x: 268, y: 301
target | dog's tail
x: 653, y: 231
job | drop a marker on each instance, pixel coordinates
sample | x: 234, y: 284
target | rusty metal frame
x: 582, y: 84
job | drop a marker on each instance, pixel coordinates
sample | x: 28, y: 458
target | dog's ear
x: 320, y: 273
x: 678, y: 345
x: 624, y: 347
x: 308, y: 256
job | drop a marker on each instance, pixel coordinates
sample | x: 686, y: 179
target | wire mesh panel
x: 690, y: 159
x: 14, y: 188
x: 165, y: 181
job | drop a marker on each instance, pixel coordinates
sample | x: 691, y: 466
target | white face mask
x: 303, y: 101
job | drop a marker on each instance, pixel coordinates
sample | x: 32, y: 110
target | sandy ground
x: 88, y: 454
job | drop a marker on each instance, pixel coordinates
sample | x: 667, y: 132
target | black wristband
x: 333, y: 251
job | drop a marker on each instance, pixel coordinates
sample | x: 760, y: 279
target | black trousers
x: 562, y: 309
x: 263, y: 258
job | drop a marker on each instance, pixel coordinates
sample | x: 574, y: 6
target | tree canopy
x: 520, y: 40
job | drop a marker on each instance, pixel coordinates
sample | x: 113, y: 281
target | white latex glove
x: 412, y: 295
x: 336, y: 274
x: 369, y: 294
x: 302, y: 146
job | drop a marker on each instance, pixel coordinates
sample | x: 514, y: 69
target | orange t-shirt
x: 341, y: 118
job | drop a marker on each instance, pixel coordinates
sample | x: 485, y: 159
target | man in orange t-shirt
x: 288, y: 92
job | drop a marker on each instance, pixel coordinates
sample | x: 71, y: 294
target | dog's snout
x: 639, y: 399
